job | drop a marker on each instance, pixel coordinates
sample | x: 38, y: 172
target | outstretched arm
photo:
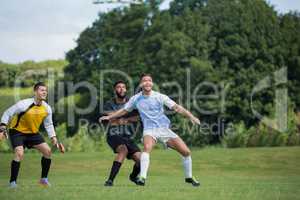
x: 114, y: 115
x: 180, y: 109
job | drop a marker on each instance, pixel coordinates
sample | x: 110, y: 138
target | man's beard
x: 120, y: 96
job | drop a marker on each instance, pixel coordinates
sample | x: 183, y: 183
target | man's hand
x: 54, y: 141
x: 2, y: 136
x: 57, y: 144
x: 104, y: 118
x: 195, y: 120
x: 3, y: 133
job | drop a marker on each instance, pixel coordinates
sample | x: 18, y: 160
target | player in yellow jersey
x: 23, y: 120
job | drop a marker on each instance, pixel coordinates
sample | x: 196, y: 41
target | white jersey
x: 151, y: 109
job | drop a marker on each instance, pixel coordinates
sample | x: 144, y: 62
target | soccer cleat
x: 44, y: 182
x: 140, y: 181
x: 109, y: 183
x: 192, y: 181
x: 133, y: 179
x: 13, y: 184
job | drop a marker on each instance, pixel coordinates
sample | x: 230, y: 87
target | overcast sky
x: 46, y: 29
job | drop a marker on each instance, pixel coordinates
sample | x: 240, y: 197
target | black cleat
x: 109, y: 183
x: 133, y: 179
x: 140, y: 181
x: 192, y: 181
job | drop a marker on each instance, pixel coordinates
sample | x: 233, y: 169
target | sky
x: 39, y: 30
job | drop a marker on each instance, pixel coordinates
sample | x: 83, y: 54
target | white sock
x: 187, y: 166
x: 145, y: 161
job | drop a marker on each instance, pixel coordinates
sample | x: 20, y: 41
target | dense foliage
x: 219, y: 49
x: 224, y: 42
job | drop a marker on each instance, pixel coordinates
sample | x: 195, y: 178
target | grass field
x: 8, y: 97
x: 257, y: 173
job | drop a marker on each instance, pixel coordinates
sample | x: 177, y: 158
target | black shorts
x: 115, y: 141
x: 25, y: 140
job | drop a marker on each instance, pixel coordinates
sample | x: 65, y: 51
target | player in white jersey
x: 150, y: 105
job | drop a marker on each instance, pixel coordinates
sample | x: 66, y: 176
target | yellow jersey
x: 26, y: 117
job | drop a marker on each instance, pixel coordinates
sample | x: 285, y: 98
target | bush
x: 236, y: 137
x: 83, y: 142
x: 294, y: 139
x: 263, y: 135
x: 191, y: 134
x: 4, y: 146
x: 293, y: 130
x: 266, y: 136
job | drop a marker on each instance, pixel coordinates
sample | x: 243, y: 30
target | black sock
x: 135, y: 171
x: 46, y: 163
x: 114, y: 170
x: 14, y: 168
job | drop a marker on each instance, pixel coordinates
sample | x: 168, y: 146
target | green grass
x: 8, y: 96
x: 256, y: 173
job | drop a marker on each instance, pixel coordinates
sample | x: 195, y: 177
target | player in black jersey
x: 119, y: 135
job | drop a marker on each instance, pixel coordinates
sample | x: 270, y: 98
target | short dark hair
x: 118, y: 82
x: 144, y: 74
x: 37, y: 85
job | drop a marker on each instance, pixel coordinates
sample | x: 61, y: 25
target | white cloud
x: 284, y: 6
x: 46, y: 29
x: 165, y: 5
x: 36, y: 47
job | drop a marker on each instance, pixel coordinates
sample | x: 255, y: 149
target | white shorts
x: 161, y: 134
